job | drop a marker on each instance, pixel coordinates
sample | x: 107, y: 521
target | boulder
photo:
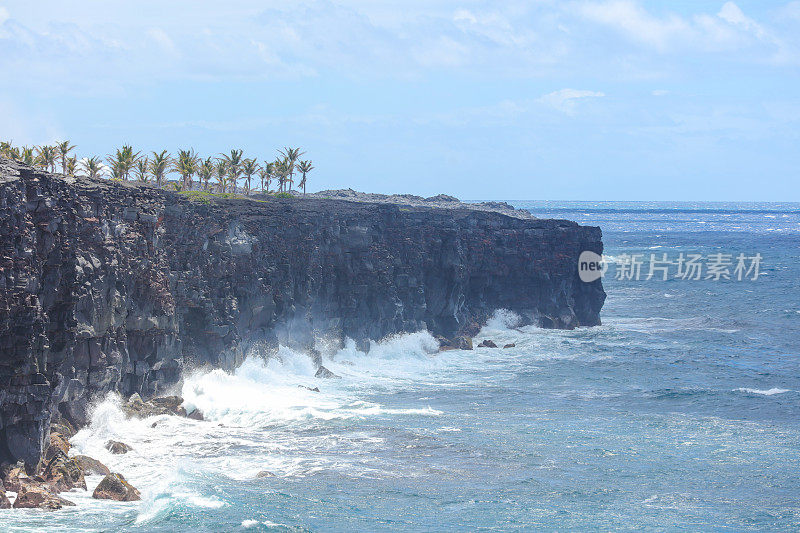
x: 36, y: 496
x: 115, y: 487
x: 62, y: 426
x: 91, y: 466
x: 117, y: 447
x: 58, y: 445
x: 265, y: 473
x: 63, y: 473
x: 512, y: 345
x: 324, y: 373
x: 487, y: 343
x: 167, y: 405
x: 5, y: 503
x: 462, y: 342
x: 14, y: 476
x: 312, y: 389
x: 197, y: 414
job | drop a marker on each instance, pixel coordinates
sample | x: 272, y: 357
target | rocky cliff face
x: 108, y: 286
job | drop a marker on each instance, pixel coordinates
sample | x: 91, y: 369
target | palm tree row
x: 124, y: 163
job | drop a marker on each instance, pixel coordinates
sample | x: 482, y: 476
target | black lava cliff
x: 114, y: 287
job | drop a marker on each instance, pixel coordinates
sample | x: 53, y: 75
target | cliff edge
x: 110, y: 286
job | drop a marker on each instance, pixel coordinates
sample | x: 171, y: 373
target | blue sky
x: 581, y: 100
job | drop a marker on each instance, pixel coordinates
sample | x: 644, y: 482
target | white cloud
x: 163, y: 40
x: 633, y: 20
x: 566, y: 100
x: 731, y: 13
x: 102, y: 51
x: 4, y: 15
x: 727, y: 31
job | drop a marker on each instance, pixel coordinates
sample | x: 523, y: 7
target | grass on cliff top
x: 204, y: 197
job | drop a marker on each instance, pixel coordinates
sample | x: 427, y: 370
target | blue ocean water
x: 680, y: 412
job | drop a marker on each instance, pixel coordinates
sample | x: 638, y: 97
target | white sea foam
x: 252, y: 416
x: 503, y: 319
x: 767, y: 392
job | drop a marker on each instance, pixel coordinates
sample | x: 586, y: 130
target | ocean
x: 682, y: 411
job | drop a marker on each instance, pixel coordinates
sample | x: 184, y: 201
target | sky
x: 484, y: 100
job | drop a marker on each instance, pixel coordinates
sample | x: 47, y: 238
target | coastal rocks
x: 91, y: 466
x: 265, y: 473
x: 165, y: 405
x: 14, y: 476
x: 63, y: 473
x: 117, y: 448
x: 62, y: 427
x: 462, y: 342
x: 487, y: 343
x: 39, y: 497
x: 168, y: 405
x: 115, y: 487
x: 58, y: 445
x: 324, y: 373
x: 5, y: 503
x: 196, y: 414
x: 511, y: 345
x: 113, y: 287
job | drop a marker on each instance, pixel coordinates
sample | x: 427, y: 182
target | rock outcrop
x: 116, y: 487
x: 38, y: 497
x: 115, y: 287
x: 90, y: 466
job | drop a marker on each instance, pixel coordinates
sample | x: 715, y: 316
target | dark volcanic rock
x: 117, y: 447
x: 91, y: 466
x: 462, y: 342
x: 323, y: 372
x: 512, y: 345
x: 64, y: 473
x: 5, y: 503
x: 167, y: 405
x: 110, y: 286
x: 487, y: 343
x: 115, y: 487
x: 197, y: 414
x: 39, y: 497
x: 58, y: 445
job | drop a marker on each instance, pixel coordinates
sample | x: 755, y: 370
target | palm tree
x: 117, y: 172
x: 249, y: 167
x: 265, y: 174
x: 27, y: 156
x: 64, y: 148
x: 186, y: 165
x: 142, y: 169
x: 6, y: 149
x: 122, y: 162
x: 233, y: 163
x: 92, y: 166
x: 281, y: 173
x: 69, y: 169
x: 116, y: 163
x: 130, y: 159
x: 46, y: 158
x: 222, y: 171
x: 291, y: 155
x: 304, y: 167
x: 205, y: 172
x: 159, y: 166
